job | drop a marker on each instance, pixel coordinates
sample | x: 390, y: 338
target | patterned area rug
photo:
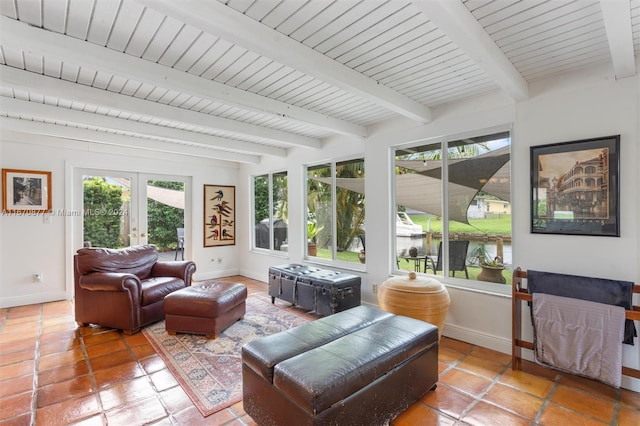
x: 210, y: 371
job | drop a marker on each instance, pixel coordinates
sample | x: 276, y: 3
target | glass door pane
x: 107, y: 221
x: 122, y: 209
x: 163, y: 216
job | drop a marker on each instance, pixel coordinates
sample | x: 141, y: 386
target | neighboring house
x: 480, y: 207
x: 497, y: 206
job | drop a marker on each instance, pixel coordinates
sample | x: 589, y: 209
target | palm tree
x: 350, y: 206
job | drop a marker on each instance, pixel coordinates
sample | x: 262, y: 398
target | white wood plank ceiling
x: 240, y: 79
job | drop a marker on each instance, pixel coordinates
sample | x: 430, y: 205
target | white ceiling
x: 241, y: 79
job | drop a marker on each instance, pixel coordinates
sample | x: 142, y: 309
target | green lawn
x: 473, y: 271
x: 344, y: 256
x: 500, y: 225
x: 349, y: 256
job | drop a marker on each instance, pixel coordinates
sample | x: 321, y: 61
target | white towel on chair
x: 579, y: 336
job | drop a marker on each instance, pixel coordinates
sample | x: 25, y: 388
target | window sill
x: 496, y: 290
x: 347, y: 266
x: 276, y: 253
x: 493, y: 289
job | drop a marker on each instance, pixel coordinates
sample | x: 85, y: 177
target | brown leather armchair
x: 125, y: 288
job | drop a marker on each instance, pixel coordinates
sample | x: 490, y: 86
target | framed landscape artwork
x: 26, y: 191
x: 575, y: 187
x: 219, y: 215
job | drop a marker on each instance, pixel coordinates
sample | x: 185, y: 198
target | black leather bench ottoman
x: 361, y: 366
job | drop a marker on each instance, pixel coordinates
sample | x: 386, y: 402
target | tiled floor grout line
x: 476, y: 399
x: 480, y: 397
x: 450, y: 367
x: 547, y: 400
x: 616, y: 408
x: 94, y: 383
x: 36, y: 365
x: 148, y: 375
x: 616, y: 401
x: 442, y: 413
x: 552, y: 391
x: 43, y: 324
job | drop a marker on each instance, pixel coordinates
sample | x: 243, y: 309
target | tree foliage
x: 261, y: 197
x: 163, y: 220
x: 103, y: 213
x: 350, y: 205
x: 349, y: 209
x: 105, y: 207
x: 281, y: 196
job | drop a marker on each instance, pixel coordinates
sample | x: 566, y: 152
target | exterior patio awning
x: 422, y: 190
x: 170, y: 197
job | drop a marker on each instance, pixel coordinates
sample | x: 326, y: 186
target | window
x: 270, y: 211
x: 335, y: 211
x: 465, y: 224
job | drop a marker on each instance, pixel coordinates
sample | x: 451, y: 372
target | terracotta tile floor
x: 53, y: 373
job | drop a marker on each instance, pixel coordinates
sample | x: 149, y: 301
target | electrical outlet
x: 374, y: 288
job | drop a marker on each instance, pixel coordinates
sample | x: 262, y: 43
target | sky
x: 553, y: 165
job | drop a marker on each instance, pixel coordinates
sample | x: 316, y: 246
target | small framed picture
x: 575, y: 187
x: 26, y: 191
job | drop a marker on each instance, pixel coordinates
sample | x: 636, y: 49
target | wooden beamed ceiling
x: 237, y: 80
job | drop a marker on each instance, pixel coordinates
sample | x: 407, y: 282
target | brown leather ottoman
x: 207, y: 308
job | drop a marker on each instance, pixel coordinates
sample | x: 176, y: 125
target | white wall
x: 256, y: 265
x: 578, y: 107
x: 28, y: 245
x: 566, y: 110
x: 582, y: 106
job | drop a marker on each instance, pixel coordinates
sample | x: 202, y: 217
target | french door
x: 121, y: 209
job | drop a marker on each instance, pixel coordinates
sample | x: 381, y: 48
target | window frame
x: 463, y: 283
x: 333, y: 164
x: 272, y: 218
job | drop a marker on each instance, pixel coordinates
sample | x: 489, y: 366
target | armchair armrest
x: 110, y: 281
x: 182, y: 269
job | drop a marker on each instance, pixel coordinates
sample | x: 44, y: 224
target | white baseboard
x: 215, y: 274
x: 479, y: 338
x: 503, y: 345
x: 33, y: 299
x: 253, y: 275
x: 474, y: 337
